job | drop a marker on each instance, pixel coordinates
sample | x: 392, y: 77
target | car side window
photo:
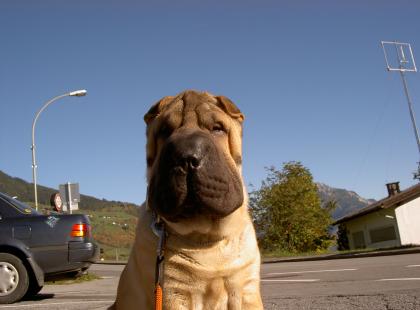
x: 3, y: 204
x: 4, y: 208
x: 13, y: 207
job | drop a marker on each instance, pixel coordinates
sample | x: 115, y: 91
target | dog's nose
x: 190, y: 150
x: 191, y: 161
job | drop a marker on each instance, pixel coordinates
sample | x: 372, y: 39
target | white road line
x: 410, y: 266
x: 400, y: 279
x: 290, y: 280
x: 45, y: 305
x: 80, y: 293
x: 310, y: 271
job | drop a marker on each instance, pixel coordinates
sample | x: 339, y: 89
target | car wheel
x: 14, y: 279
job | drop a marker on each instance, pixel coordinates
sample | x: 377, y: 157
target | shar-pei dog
x: 195, y: 187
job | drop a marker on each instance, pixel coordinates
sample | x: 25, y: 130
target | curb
x: 342, y: 256
x: 110, y: 262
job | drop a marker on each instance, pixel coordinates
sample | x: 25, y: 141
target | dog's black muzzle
x: 193, y: 176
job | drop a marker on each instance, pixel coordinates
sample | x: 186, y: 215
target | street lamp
x: 76, y: 93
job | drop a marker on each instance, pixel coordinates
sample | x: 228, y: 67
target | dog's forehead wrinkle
x: 176, y: 106
x: 171, y: 120
x: 189, y: 120
x: 189, y: 114
x: 208, y: 116
x: 192, y: 109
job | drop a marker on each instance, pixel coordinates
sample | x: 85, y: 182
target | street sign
x: 69, y: 192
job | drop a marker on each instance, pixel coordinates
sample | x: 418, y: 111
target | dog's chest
x: 206, y: 279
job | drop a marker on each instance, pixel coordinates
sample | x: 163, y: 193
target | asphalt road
x: 387, y: 282
x: 384, y: 282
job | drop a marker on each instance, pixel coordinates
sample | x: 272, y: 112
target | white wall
x: 371, y: 221
x: 408, y: 218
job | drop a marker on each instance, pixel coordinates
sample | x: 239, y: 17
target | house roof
x: 395, y: 200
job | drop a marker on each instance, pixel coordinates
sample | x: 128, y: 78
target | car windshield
x: 20, y: 206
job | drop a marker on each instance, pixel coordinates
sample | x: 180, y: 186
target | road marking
x: 80, y: 293
x: 400, y: 279
x: 290, y: 280
x: 44, y: 305
x: 310, y: 271
x: 410, y: 266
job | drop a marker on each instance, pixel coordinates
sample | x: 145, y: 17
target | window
x: 5, y: 208
x: 13, y: 207
x: 382, y: 234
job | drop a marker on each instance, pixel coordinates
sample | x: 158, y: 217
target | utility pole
x: 402, y: 66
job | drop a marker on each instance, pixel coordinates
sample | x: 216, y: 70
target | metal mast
x: 404, y: 65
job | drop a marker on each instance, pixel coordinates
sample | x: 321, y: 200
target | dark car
x: 35, y: 246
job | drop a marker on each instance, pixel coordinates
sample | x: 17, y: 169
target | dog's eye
x: 218, y: 128
x: 165, y: 131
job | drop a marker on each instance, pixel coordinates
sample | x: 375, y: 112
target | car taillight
x: 80, y: 230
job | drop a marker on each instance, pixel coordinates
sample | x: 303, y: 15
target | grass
x: 115, y: 253
x: 283, y: 253
x: 114, y: 231
x: 83, y: 278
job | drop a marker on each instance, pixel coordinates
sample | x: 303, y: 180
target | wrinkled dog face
x: 194, y: 156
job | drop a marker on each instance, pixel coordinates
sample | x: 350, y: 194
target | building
x: 390, y: 222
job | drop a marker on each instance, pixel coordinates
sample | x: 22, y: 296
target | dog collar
x: 158, y: 228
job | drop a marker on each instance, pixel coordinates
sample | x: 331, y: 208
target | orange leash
x: 158, y: 228
x: 158, y: 297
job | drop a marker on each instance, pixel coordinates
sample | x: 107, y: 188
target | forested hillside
x: 25, y: 192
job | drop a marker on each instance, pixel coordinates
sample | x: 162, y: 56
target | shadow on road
x: 39, y: 297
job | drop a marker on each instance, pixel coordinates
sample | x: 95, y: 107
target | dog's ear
x: 230, y: 108
x: 156, y: 109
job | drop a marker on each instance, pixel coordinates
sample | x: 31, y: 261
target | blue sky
x: 308, y: 75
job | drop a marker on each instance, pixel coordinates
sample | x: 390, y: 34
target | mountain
x: 347, y: 201
x: 24, y: 191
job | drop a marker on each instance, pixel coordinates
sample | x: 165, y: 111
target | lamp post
x: 76, y: 93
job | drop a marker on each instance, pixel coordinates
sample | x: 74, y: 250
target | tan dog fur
x: 209, y: 263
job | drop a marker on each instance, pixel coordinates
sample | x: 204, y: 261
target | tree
x: 342, y: 239
x: 287, y: 211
